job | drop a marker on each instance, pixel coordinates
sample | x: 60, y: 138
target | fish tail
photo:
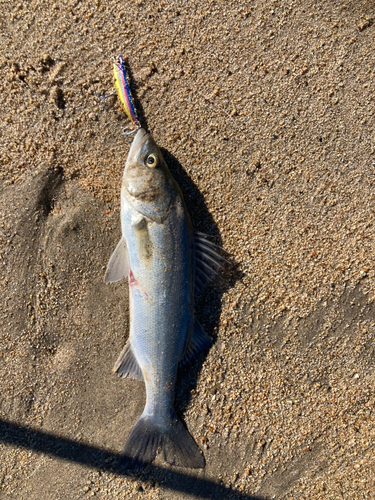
x: 179, y: 448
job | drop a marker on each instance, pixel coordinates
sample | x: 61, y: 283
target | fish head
x: 147, y: 183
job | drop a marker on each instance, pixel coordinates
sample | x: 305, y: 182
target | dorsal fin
x: 199, y: 342
x: 207, y: 259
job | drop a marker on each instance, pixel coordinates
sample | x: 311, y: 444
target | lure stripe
x: 123, y: 90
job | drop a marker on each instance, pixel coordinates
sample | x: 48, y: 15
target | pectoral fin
x: 118, y: 264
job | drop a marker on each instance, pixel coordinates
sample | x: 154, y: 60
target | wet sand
x: 265, y: 113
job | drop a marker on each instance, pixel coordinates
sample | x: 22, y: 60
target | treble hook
x: 103, y: 97
x: 131, y: 132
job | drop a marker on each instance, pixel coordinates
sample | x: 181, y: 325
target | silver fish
x: 165, y: 262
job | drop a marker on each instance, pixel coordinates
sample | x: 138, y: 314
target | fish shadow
x: 207, y: 304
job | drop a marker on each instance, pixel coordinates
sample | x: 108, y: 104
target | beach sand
x: 264, y: 111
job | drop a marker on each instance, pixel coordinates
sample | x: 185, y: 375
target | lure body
x: 123, y: 90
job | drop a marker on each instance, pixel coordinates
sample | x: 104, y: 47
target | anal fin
x: 127, y: 366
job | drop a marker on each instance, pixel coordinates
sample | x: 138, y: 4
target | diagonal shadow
x: 105, y: 460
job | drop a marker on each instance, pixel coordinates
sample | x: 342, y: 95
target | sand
x: 265, y: 113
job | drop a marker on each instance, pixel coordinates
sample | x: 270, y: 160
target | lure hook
x: 131, y: 132
x: 104, y: 97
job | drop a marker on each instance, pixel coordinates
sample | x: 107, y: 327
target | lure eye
x: 152, y: 161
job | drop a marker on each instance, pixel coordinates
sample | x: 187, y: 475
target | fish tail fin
x: 179, y: 448
x: 142, y: 444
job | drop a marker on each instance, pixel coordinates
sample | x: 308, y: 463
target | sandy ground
x: 265, y: 113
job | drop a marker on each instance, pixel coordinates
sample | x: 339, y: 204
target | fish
x: 166, y: 264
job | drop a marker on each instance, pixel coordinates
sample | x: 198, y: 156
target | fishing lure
x: 122, y: 89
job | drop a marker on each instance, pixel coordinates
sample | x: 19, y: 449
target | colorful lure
x: 123, y: 91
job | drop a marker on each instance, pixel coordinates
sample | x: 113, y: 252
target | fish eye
x: 152, y: 161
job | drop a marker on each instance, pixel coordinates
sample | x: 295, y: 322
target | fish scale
x: 160, y: 303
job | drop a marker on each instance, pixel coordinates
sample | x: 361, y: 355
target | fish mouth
x: 137, y: 141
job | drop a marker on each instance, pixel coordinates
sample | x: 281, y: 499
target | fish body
x: 160, y: 255
x: 158, y: 236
